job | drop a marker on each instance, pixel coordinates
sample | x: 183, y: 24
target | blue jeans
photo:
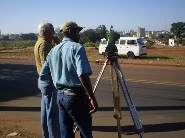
x: 49, y: 110
x: 74, y: 108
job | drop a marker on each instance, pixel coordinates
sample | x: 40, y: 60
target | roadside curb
x: 121, y: 61
x: 145, y: 62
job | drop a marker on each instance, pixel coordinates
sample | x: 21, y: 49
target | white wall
x: 171, y: 42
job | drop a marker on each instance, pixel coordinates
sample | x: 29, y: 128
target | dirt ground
x: 31, y: 129
x: 178, y: 51
x: 18, y: 126
x: 92, y: 53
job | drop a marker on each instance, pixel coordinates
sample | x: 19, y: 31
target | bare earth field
x: 171, y: 53
x: 167, y: 56
x: 32, y: 129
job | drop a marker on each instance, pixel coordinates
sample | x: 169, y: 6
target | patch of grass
x: 16, y: 44
x: 14, y: 49
x: 149, y: 57
x: 93, y: 55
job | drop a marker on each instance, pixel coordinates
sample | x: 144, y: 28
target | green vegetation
x: 16, y: 44
x: 178, y: 29
x: 90, y: 44
x: 150, y: 43
x: 90, y: 38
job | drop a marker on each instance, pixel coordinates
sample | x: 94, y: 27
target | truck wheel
x: 130, y: 55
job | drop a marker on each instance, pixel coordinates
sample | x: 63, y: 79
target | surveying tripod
x: 120, y: 80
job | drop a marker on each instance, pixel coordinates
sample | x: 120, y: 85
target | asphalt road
x: 158, y: 94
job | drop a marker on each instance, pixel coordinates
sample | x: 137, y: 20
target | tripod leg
x: 116, y: 100
x: 128, y: 98
x: 100, y: 75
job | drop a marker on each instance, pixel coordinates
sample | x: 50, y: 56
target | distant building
x: 171, y: 42
x: 140, y: 32
x: 151, y: 34
x: 148, y: 34
x: 129, y: 33
x: 154, y: 34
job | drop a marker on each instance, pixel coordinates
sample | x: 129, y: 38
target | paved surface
x: 158, y: 93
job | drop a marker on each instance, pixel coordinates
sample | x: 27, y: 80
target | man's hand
x: 94, y: 105
x: 86, y: 82
x: 56, y: 40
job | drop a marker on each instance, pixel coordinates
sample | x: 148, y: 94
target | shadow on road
x: 148, y: 108
x: 145, y: 108
x: 129, y: 130
x: 13, y: 108
x: 17, y: 80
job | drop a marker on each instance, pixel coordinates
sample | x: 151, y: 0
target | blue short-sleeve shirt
x: 65, y: 63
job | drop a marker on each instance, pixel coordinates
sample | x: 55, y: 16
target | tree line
x: 91, y: 37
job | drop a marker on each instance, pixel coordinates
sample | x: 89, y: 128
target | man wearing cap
x: 49, y: 108
x: 68, y: 66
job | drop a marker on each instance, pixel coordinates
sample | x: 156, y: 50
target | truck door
x: 121, y: 47
x: 102, y: 46
x: 133, y: 47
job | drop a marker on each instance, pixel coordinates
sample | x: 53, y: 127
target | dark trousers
x: 74, y: 108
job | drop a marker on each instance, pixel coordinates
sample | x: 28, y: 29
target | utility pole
x: 165, y: 24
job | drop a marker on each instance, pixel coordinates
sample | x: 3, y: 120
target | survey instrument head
x: 112, y: 37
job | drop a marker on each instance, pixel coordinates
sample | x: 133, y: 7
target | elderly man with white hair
x: 49, y: 108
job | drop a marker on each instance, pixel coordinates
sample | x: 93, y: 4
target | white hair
x: 43, y: 26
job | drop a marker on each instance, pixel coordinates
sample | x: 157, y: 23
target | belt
x: 73, y: 90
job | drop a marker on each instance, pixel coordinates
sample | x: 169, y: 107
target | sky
x: 24, y: 16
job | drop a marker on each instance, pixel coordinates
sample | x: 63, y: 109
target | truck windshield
x: 103, y: 42
x: 140, y: 41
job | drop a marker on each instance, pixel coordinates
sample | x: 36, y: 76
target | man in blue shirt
x: 67, y: 65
